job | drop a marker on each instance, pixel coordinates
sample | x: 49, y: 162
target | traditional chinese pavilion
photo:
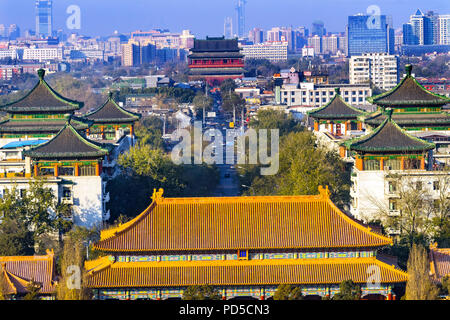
x: 39, y: 114
x: 216, y: 59
x: 67, y: 154
x: 337, y: 116
x: 389, y: 146
x: 17, y: 273
x: 109, y: 119
x: 415, y: 108
x: 244, y: 246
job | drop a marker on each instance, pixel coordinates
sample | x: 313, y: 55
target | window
x: 392, y: 164
x: 411, y: 164
x: 243, y: 254
x: 66, y: 171
x: 371, y: 164
x: 392, y: 186
x: 392, y: 205
x: 435, y: 185
x: 67, y: 192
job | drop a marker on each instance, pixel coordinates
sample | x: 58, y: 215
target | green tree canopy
x: 304, y: 166
x: 348, y: 290
x: 288, y: 292
x: 201, y: 292
x: 34, y: 212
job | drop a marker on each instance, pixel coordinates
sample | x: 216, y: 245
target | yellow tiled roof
x: 439, y: 262
x: 18, y: 271
x: 275, y: 222
x: 107, y: 274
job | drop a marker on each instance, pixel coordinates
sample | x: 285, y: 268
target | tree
x: 33, y: 289
x: 273, y: 119
x: 72, y: 285
x: 31, y: 213
x: 75, y: 89
x: 419, y: 285
x: 15, y: 238
x: 348, y: 290
x: 288, y: 292
x: 201, y: 292
x: 420, y: 214
x: 228, y: 85
x: 304, y: 166
x: 232, y: 102
x: 202, y: 102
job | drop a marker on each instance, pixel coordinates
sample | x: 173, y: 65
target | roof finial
x: 337, y: 90
x: 41, y: 74
x: 157, y: 195
x: 389, y: 112
x: 110, y: 95
x: 324, y: 192
x: 408, y: 69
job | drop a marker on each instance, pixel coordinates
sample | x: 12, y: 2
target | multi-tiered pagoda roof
x: 40, y: 111
x: 388, y: 138
x: 336, y: 109
x: 414, y: 106
x: 68, y: 144
x: 111, y: 113
x: 215, y: 59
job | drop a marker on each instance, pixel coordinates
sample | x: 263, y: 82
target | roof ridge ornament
x: 41, y: 74
x: 157, y: 195
x: 324, y: 192
x: 337, y: 90
x: 408, y: 69
x: 389, y: 112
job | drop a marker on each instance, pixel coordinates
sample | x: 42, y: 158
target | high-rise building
x: 316, y: 43
x: 44, y: 18
x: 318, y: 28
x: 379, y: 68
x: 282, y: 34
x: 240, y: 8
x: 330, y: 44
x: 256, y: 36
x: 366, y: 34
x: 272, y: 51
x: 228, y: 28
x: 419, y: 29
x: 444, y: 29
x: 13, y: 32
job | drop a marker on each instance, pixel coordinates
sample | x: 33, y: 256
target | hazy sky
x: 206, y: 17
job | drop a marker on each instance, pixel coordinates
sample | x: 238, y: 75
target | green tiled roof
x: 111, y: 112
x: 337, y: 108
x: 388, y: 137
x: 52, y: 126
x: 42, y: 98
x: 68, y: 143
x: 408, y: 93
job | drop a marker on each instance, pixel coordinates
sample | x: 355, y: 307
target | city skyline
x: 208, y: 20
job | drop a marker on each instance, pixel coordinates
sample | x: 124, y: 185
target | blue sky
x: 206, y: 17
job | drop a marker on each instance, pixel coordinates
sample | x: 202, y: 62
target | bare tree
x: 419, y: 285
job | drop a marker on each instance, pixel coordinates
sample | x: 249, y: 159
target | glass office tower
x: 367, y: 34
x: 44, y: 18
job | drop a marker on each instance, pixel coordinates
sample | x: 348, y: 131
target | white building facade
x: 379, y: 68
